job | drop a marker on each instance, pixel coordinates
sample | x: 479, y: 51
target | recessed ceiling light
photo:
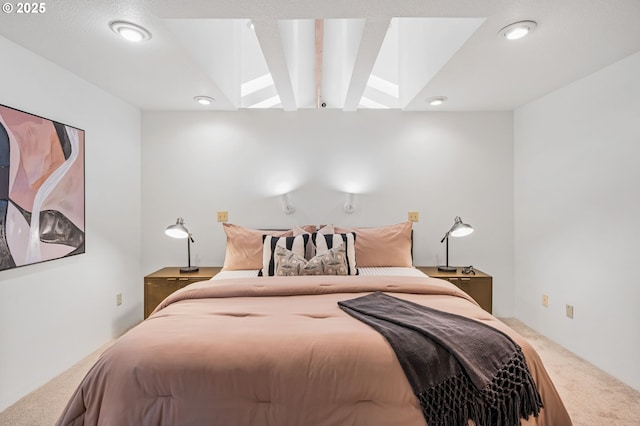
x: 204, y: 100
x: 130, y: 32
x: 517, y: 30
x: 436, y: 100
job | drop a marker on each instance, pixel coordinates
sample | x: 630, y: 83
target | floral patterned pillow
x: 332, y: 262
x: 325, y: 242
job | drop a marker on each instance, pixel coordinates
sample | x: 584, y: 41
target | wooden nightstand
x: 160, y: 284
x: 478, y: 286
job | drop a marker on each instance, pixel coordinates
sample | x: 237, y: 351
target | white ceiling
x: 376, y: 54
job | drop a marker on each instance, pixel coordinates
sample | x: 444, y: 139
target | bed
x: 243, y: 349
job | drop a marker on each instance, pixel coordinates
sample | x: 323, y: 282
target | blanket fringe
x: 510, y: 396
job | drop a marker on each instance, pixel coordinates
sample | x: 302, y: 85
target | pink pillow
x: 304, y: 229
x: 327, y: 229
x: 382, y: 246
x: 244, y: 246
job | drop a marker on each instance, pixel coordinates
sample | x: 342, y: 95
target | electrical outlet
x: 570, y: 311
x: 414, y: 216
x: 118, y: 299
x: 223, y: 216
x: 545, y: 300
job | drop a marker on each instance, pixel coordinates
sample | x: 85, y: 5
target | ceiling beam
x: 372, y: 37
x: 319, y: 48
x: 268, y: 34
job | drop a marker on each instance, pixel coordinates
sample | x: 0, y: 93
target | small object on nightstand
x: 468, y: 270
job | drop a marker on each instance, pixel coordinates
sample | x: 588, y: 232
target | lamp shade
x: 178, y: 230
x: 460, y: 229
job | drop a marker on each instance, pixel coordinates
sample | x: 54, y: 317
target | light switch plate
x: 223, y: 216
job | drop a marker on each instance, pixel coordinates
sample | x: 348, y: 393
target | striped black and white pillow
x: 325, y: 242
x: 296, y: 244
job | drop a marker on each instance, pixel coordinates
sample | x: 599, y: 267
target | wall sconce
x: 350, y: 203
x: 287, y: 204
x: 459, y: 229
x: 180, y: 231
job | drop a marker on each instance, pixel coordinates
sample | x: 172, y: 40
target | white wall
x: 577, y: 210
x: 52, y: 314
x: 441, y: 164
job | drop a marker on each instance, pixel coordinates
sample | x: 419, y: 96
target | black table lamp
x: 180, y: 231
x: 458, y: 229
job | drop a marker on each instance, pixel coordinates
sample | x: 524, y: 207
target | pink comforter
x: 272, y: 351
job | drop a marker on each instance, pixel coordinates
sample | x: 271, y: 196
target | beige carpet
x: 43, y: 406
x: 592, y: 397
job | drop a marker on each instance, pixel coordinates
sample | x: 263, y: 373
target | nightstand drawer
x: 155, y: 291
x: 182, y: 281
x: 478, y: 288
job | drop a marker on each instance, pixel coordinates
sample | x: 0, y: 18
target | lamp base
x: 447, y: 268
x: 189, y: 269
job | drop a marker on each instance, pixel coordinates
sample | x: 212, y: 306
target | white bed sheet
x: 386, y: 270
x: 244, y: 273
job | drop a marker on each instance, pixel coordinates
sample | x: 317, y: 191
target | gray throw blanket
x: 459, y: 368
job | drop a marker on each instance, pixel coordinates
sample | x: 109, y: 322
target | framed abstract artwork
x: 42, y: 197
